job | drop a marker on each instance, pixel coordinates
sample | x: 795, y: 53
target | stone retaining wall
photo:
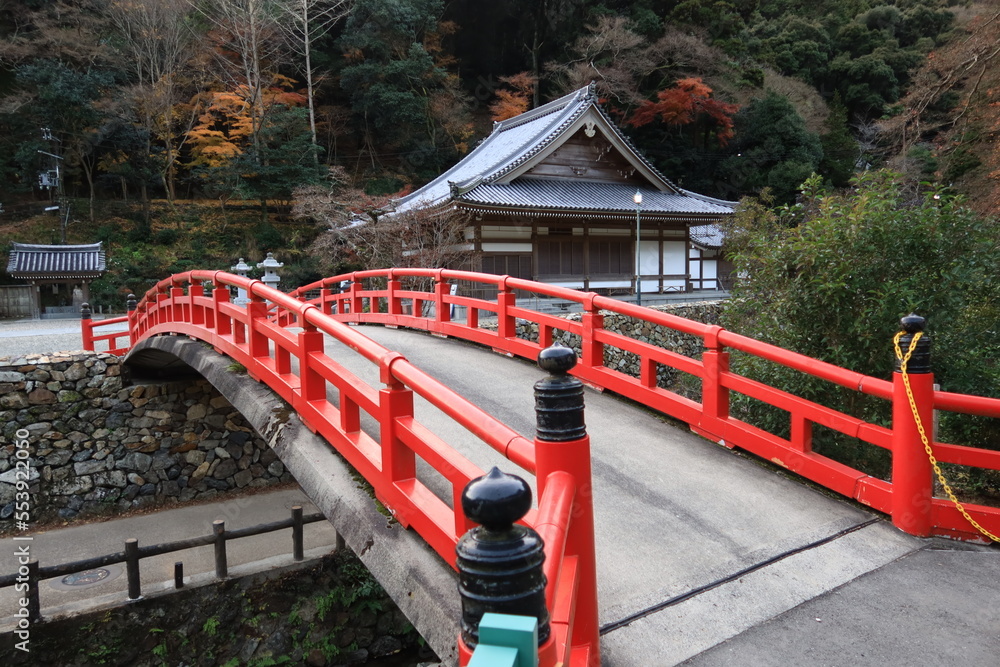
x: 100, y: 445
x: 707, y: 312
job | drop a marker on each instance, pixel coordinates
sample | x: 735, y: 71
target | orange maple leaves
x: 227, y: 120
x: 510, y: 103
x: 683, y: 104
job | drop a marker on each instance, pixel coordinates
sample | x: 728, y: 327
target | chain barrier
x: 904, y: 359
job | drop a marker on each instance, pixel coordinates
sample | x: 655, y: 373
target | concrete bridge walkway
x: 711, y: 556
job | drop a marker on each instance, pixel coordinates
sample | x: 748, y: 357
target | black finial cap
x: 496, y: 500
x: 912, y: 323
x: 557, y: 359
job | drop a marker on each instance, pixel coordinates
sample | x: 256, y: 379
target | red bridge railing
x: 378, y: 297
x: 280, y: 340
x: 259, y: 336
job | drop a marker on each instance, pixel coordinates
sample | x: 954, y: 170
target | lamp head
x: 637, y: 198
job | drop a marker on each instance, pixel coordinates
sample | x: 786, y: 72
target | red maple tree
x: 686, y: 102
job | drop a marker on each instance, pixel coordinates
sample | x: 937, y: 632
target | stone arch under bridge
x: 419, y: 582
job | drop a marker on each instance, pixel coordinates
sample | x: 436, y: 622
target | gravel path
x: 19, y: 337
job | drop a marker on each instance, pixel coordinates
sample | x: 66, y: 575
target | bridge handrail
x: 263, y: 344
x: 709, y: 417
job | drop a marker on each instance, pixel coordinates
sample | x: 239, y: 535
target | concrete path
x: 700, y: 549
x: 64, y: 545
x: 19, y: 337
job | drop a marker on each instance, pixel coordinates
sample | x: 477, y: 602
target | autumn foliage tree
x: 515, y: 100
x: 689, y: 101
x: 231, y: 154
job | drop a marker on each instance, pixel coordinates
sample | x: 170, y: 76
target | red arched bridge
x: 283, y: 341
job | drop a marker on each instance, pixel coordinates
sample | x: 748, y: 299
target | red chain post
x: 912, y: 475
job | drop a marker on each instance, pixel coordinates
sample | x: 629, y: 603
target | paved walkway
x: 78, y: 542
x: 19, y: 337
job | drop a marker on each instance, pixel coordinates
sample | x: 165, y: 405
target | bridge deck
x: 674, y: 513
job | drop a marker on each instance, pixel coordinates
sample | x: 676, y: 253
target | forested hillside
x: 172, y: 117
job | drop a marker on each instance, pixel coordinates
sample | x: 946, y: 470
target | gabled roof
x: 490, y: 174
x: 31, y: 261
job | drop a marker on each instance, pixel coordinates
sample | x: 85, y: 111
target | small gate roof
x: 33, y: 261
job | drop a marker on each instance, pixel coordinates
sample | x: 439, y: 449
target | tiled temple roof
x: 493, y: 173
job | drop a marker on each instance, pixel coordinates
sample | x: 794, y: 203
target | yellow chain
x: 904, y: 360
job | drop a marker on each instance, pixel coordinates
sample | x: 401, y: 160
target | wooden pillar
x: 36, y: 301
x: 687, y: 260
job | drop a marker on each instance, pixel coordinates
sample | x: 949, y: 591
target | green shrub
x: 830, y: 278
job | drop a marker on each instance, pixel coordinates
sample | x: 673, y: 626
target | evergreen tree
x: 773, y: 149
x: 840, y: 150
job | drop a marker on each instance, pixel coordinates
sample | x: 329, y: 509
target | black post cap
x: 557, y: 359
x: 496, y: 500
x: 912, y: 323
x: 920, y: 359
x: 130, y: 302
x: 85, y: 312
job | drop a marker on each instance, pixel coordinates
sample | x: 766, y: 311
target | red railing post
x: 591, y: 351
x: 163, y: 310
x: 395, y: 403
x: 312, y: 386
x: 395, y: 305
x: 912, y: 480
x: 195, y: 292
x: 442, y: 311
x: 130, y: 306
x: 714, y: 397
x: 562, y: 444
x: 326, y: 300
x: 87, y: 327
x: 506, y: 322
x: 256, y: 341
x: 223, y: 323
x: 355, y: 299
x: 177, y: 304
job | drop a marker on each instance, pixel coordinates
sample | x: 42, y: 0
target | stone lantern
x: 270, y: 266
x: 241, y: 269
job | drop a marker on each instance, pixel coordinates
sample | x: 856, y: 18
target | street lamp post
x: 638, y: 236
